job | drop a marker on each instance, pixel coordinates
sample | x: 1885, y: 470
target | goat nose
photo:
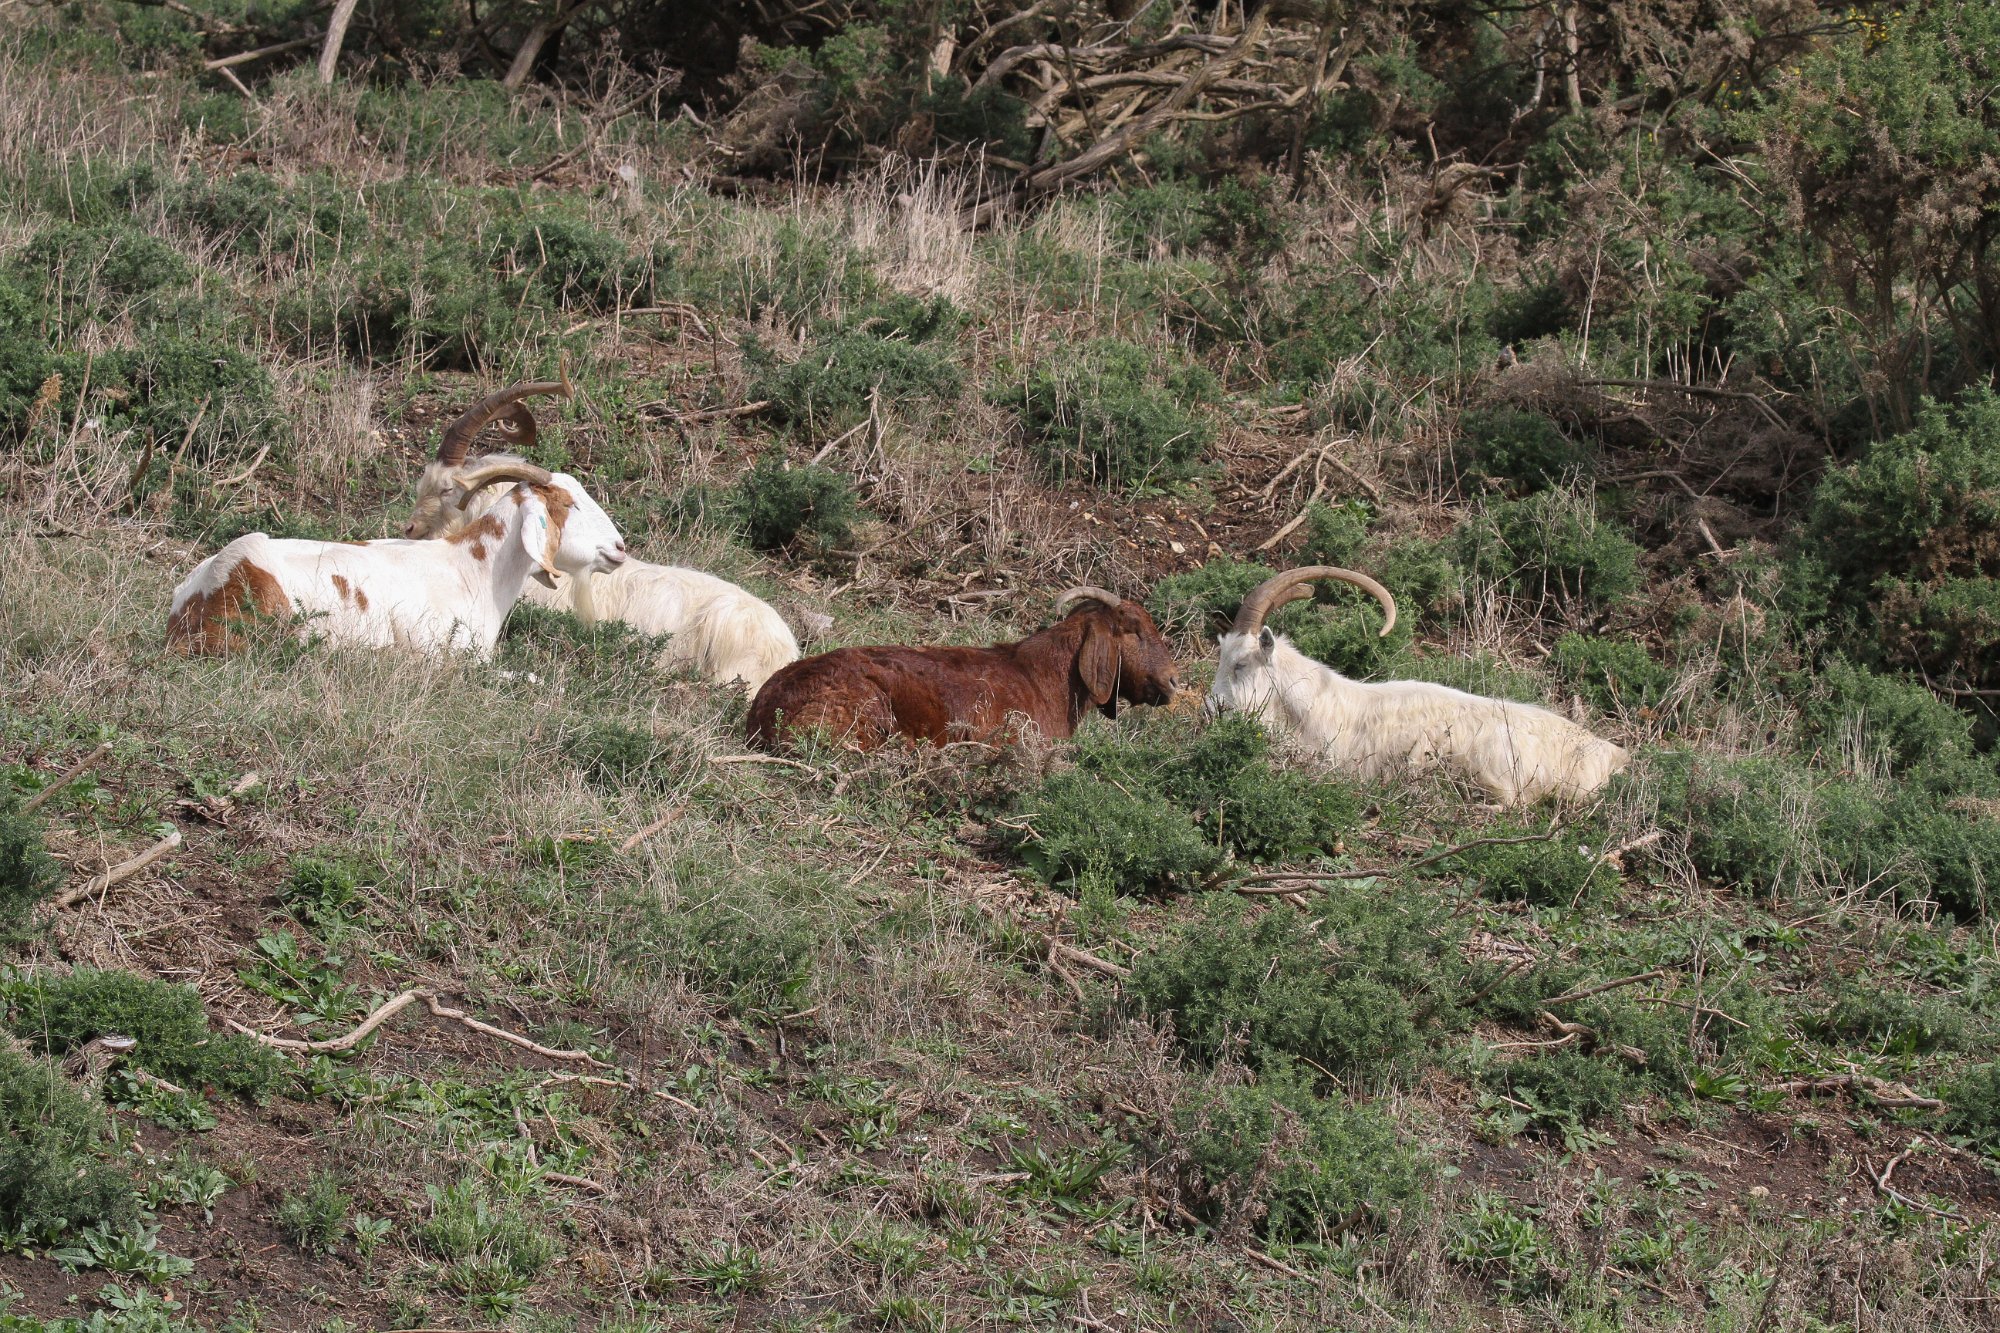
x: 616, y: 555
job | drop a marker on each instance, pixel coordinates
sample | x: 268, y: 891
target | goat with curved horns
x: 722, y: 632
x: 1105, y: 651
x: 1516, y: 751
x: 428, y: 595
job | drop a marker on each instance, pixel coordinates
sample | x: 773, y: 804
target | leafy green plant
x: 133, y: 1250
x: 315, y: 1218
x: 1524, y: 451
x: 894, y: 350
x: 1077, y: 824
x: 1559, y: 871
x: 1611, y: 673
x: 1111, y: 413
x: 729, y: 1271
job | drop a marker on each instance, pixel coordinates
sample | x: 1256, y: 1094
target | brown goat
x: 1104, y: 652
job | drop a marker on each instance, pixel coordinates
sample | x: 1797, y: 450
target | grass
x: 923, y: 1039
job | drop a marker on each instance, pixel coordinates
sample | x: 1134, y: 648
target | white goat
x: 1516, y: 751
x: 432, y: 596
x: 722, y: 632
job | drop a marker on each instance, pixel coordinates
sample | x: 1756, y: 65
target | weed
x: 729, y: 1271
x: 747, y: 944
x: 1613, y: 674
x: 1521, y: 450
x: 28, y: 874
x: 1506, y: 1246
x: 775, y: 505
x: 133, y: 1251
x: 315, y: 1218
x: 1551, y: 545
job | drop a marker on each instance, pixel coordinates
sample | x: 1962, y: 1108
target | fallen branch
x: 1087, y: 959
x: 502, y: 1034
x: 1881, y: 1090
x: 763, y: 759
x: 247, y: 472
x: 1881, y: 1183
x: 382, y: 1014
x: 581, y: 1182
x: 1495, y: 984
x: 68, y: 775
x: 98, y: 883
x: 1633, y: 980
x: 652, y: 828
x: 1294, y: 877
x: 245, y: 57
x: 712, y: 413
x: 1699, y: 1009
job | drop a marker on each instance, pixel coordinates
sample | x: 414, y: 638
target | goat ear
x: 535, y: 539
x: 1266, y: 641
x: 1097, y: 664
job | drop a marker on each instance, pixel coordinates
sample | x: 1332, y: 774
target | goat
x: 1516, y: 751
x: 431, y: 596
x: 1103, y: 652
x: 722, y: 632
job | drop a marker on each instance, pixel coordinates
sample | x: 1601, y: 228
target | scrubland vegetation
x: 1656, y: 382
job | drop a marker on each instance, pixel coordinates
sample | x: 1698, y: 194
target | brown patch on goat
x: 340, y: 585
x: 210, y: 623
x: 558, y: 502
x: 478, y: 533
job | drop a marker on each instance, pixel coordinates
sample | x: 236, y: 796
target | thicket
x: 892, y: 352
x: 1115, y: 414
x: 54, y: 1142
x: 28, y: 874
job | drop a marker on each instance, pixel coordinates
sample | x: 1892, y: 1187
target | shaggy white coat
x: 720, y: 631
x: 1516, y: 752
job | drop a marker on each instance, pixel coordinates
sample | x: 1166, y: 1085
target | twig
x: 1882, y: 1183
x: 99, y: 883
x: 1881, y: 1090
x: 383, y: 1013
x: 1697, y: 1009
x: 245, y: 57
x: 139, y: 472
x: 240, y: 86
x: 763, y: 759
x: 247, y: 472
x: 652, y: 828
x: 1643, y: 840
x: 1089, y: 960
x: 714, y: 413
x: 581, y: 1182
x: 1495, y: 984
x: 68, y: 775
x: 547, y: 1053
x: 1257, y: 1256
x: 628, y: 1084
x: 1294, y: 877
x: 1634, y: 980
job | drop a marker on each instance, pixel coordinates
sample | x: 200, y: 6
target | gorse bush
x: 572, y: 263
x: 1523, y: 451
x: 1357, y: 992
x: 1110, y: 412
x: 1897, y: 727
x: 52, y: 1176
x: 613, y: 755
x: 776, y: 505
x: 113, y: 264
x: 1334, y: 534
x: 1560, y: 871
x: 1613, y: 674
x: 1305, y: 1168
x: 59, y: 1014
x: 1906, y: 543
x: 1151, y: 806
x: 28, y: 874
x: 1341, y: 626
x: 894, y: 350
x: 1551, y: 545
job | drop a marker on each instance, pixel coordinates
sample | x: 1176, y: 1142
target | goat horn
x: 1274, y: 592
x: 458, y: 436
x: 1082, y: 592
x: 483, y: 474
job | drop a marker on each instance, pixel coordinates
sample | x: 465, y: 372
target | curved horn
x: 1273, y: 593
x: 1082, y: 592
x: 481, y: 475
x: 458, y: 436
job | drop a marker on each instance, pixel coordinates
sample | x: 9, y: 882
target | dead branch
x: 1880, y: 1090
x: 1295, y: 877
x: 98, y: 883
x: 336, y: 36
x: 1633, y: 980
x: 1087, y: 959
x: 67, y: 776
x: 383, y: 1013
x: 277, y: 48
x: 652, y: 828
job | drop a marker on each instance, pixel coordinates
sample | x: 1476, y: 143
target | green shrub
x: 315, y: 1218
x: 747, y: 943
x: 572, y: 262
x: 1972, y: 1104
x: 1334, y: 534
x: 830, y: 384
x: 1865, y: 1010
x: 485, y: 1240
x: 1203, y: 600
x: 114, y: 261
x: 1569, y: 1088
x: 1613, y: 674
x: 51, y: 1178
x: 171, y: 381
x: 1356, y: 997
x: 1111, y: 413
x: 1140, y: 841
x: 774, y: 505
x: 1421, y: 575
x: 1748, y: 821
x: 28, y: 873
x: 1522, y: 450
x: 24, y: 353
x: 613, y: 755
x: 1909, y: 540
x: 1957, y: 855
x: 1261, y: 812
x: 1320, y: 1166
x: 1551, y: 544
x: 59, y: 1014
x: 1907, y: 729
x: 1562, y: 871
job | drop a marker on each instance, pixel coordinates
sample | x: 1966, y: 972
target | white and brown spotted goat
x: 431, y: 596
x: 717, y: 629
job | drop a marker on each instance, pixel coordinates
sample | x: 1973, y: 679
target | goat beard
x: 582, y: 599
